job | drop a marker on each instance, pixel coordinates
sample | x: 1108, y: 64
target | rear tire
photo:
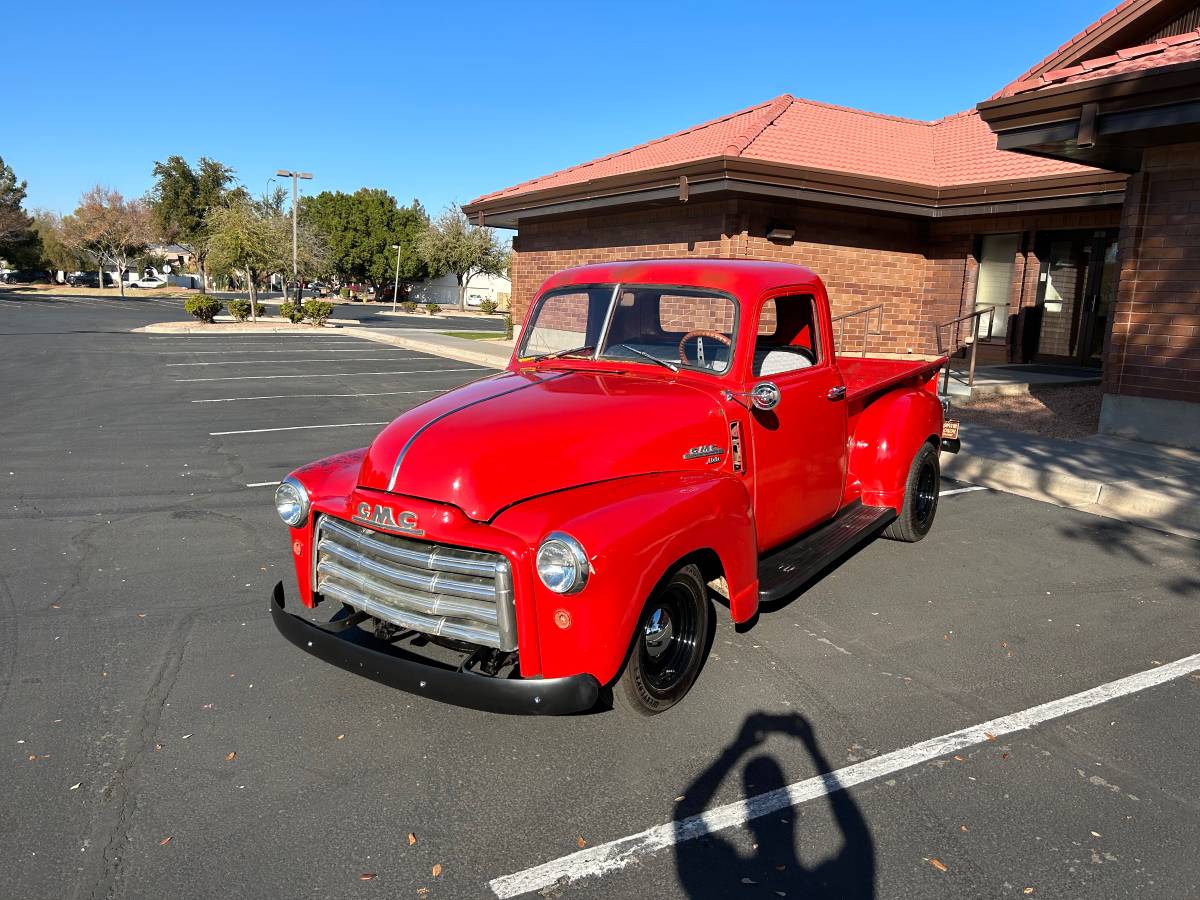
x: 920, y: 498
x: 670, y: 642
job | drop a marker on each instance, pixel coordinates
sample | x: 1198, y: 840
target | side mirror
x: 765, y: 396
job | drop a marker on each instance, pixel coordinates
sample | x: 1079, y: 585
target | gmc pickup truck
x: 668, y: 434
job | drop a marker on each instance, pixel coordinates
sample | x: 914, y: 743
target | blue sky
x: 446, y: 101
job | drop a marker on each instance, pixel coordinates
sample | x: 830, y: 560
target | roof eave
x: 729, y: 176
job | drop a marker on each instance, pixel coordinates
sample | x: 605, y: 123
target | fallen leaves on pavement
x: 938, y: 864
x: 581, y: 842
x: 231, y: 756
x: 367, y: 876
x: 412, y: 838
x: 436, y: 870
x: 166, y: 840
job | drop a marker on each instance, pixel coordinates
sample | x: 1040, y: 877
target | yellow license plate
x: 950, y: 430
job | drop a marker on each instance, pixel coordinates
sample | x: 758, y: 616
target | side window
x: 786, y: 340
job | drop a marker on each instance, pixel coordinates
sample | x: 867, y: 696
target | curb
x: 449, y: 347
x: 230, y: 328
x: 1138, y: 506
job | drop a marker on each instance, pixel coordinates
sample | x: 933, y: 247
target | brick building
x: 934, y: 219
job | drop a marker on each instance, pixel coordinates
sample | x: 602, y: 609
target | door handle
x: 837, y: 393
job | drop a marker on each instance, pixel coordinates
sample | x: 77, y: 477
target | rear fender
x: 887, y: 435
x: 634, y: 531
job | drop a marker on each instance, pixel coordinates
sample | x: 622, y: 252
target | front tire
x: 670, y: 643
x: 920, y: 498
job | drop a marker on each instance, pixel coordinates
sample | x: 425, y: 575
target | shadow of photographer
x: 709, y: 864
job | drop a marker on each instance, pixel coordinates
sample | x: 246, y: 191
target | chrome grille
x: 432, y: 588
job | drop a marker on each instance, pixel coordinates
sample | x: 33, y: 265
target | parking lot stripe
x: 306, y: 396
x: 334, y: 374
x: 283, y: 362
x: 214, y: 352
x: 295, y: 428
x: 262, y: 484
x: 966, y: 490
x: 618, y: 854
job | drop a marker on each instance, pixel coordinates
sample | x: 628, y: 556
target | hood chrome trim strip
x: 420, y: 431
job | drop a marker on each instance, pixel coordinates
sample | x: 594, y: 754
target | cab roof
x: 742, y: 277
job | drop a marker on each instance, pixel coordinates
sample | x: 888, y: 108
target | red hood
x: 492, y: 443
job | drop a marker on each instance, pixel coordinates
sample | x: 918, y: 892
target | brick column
x: 1152, y: 356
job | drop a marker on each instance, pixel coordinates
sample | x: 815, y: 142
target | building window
x: 997, y: 259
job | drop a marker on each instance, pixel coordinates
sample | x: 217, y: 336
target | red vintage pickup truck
x: 668, y: 434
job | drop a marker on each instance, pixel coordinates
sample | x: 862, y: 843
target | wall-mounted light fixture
x: 781, y: 235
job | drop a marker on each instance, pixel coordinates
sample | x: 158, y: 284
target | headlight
x: 291, y: 501
x: 562, y: 563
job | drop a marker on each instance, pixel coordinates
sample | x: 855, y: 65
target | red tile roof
x: 1066, y: 48
x: 1181, y: 48
x: 957, y: 150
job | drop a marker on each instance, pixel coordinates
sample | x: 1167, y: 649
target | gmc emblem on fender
x: 386, y: 517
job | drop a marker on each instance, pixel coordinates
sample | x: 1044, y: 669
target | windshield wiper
x: 645, y: 355
x: 561, y: 353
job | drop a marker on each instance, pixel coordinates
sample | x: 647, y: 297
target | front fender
x: 886, y: 437
x: 633, y: 531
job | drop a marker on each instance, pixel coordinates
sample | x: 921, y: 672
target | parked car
x: 473, y: 300
x: 384, y: 294
x: 26, y: 276
x: 679, y: 422
x: 89, y: 279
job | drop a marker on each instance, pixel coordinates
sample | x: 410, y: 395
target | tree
x: 183, y: 199
x: 359, y: 230
x: 54, y: 253
x: 253, y: 239
x: 110, y: 228
x: 452, y: 244
x: 15, y: 225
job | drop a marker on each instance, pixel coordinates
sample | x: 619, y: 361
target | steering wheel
x: 715, y: 335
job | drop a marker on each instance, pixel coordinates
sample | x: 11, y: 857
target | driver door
x: 799, y: 447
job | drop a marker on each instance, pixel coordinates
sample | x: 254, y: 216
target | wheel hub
x: 659, y: 633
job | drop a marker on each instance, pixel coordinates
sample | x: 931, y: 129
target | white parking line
x: 306, y: 396
x: 262, y: 484
x: 966, y: 490
x: 333, y: 374
x: 215, y: 352
x: 284, y: 362
x: 618, y: 854
x: 295, y: 428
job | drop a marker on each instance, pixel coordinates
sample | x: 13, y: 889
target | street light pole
x: 396, y: 286
x: 295, y: 176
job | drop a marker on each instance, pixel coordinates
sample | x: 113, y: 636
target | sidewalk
x: 1146, y: 484
x: 493, y: 354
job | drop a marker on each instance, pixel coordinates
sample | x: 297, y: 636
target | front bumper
x: 357, y: 651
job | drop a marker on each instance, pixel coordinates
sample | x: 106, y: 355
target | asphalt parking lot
x: 160, y: 739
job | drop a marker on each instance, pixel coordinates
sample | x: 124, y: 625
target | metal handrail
x: 957, y: 344
x: 867, y: 332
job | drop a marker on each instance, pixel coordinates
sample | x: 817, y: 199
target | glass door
x: 1078, y: 282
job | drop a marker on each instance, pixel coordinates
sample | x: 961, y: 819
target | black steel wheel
x: 920, y: 498
x: 669, y: 645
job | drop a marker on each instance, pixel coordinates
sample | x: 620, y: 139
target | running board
x: 789, y: 568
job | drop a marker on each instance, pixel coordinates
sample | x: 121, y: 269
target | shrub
x: 239, y: 309
x: 432, y: 308
x: 203, y: 307
x: 508, y: 327
x: 487, y: 307
x: 344, y: 293
x: 317, y: 311
x: 409, y: 306
x: 292, y: 312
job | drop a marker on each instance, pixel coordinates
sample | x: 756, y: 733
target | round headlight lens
x: 291, y: 501
x: 562, y: 564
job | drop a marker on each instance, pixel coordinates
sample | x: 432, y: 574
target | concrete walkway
x: 494, y: 354
x: 1146, y: 484
x: 1012, y: 380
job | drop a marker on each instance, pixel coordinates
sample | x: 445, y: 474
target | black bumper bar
x: 357, y: 651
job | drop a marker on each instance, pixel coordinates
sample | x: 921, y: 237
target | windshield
x: 668, y: 326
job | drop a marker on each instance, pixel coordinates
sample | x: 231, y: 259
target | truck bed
x: 869, y: 374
